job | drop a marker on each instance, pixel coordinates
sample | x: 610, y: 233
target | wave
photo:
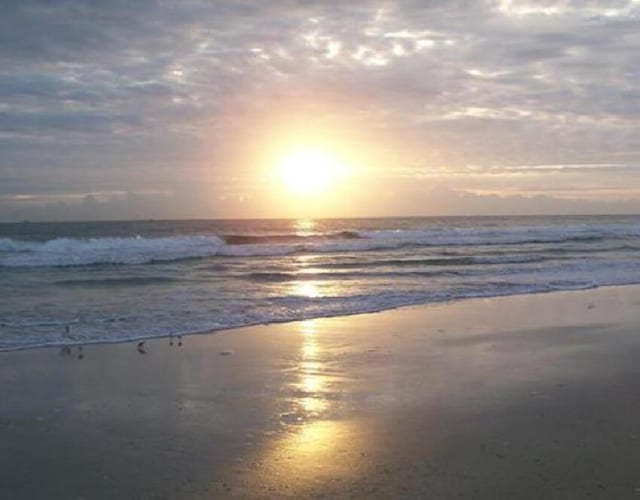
x: 250, y: 239
x: 508, y: 236
x: 287, y: 308
x: 35, y: 324
x: 439, y: 261
x: 82, y: 252
x: 277, y: 277
x: 144, y: 250
x: 127, y: 281
x: 9, y: 245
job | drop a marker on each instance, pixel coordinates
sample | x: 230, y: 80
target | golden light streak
x: 307, y: 289
x: 311, y: 382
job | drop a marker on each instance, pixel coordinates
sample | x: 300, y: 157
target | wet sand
x: 518, y: 397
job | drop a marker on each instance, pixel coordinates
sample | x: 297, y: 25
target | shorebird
x: 140, y: 347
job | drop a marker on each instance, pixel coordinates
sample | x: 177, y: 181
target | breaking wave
x: 83, y: 252
x: 144, y: 250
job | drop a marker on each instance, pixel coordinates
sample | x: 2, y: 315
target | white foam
x: 510, y: 235
x: 139, y: 250
x: 8, y: 245
x: 77, y: 252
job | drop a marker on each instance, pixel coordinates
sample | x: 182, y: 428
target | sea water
x: 84, y: 282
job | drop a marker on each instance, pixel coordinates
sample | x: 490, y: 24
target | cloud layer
x: 158, y: 102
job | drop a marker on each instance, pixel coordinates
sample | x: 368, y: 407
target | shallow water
x: 111, y: 281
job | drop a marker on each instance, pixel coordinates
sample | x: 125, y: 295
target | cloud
x: 103, y: 96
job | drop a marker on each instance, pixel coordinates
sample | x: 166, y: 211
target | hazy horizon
x: 241, y: 110
x: 293, y: 219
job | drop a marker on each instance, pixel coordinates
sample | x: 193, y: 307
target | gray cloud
x: 119, y: 96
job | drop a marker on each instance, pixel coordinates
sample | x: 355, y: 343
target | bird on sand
x: 140, y: 347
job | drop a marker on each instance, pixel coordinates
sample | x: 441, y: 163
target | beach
x: 527, y: 396
x: 319, y: 250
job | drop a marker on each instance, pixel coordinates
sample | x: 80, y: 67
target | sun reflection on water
x: 309, y: 443
x: 318, y: 442
x: 311, y: 457
x: 311, y: 383
x: 309, y: 289
x: 304, y: 226
x: 315, y: 442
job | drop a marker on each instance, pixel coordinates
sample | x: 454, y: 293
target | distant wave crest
x: 251, y: 239
x: 82, y: 252
x: 144, y: 250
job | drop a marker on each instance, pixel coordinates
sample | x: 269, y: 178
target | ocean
x: 92, y: 282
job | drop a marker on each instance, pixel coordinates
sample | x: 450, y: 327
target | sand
x: 530, y: 396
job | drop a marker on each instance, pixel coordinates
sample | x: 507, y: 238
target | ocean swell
x: 82, y: 252
x: 144, y: 250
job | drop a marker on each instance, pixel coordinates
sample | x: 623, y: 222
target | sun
x: 309, y: 171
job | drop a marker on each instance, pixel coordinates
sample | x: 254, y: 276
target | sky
x: 160, y: 109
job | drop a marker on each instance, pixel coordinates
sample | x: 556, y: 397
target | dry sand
x: 516, y: 397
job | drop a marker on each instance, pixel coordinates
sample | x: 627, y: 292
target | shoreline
x: 525, y: 396
x: 311, y: 318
